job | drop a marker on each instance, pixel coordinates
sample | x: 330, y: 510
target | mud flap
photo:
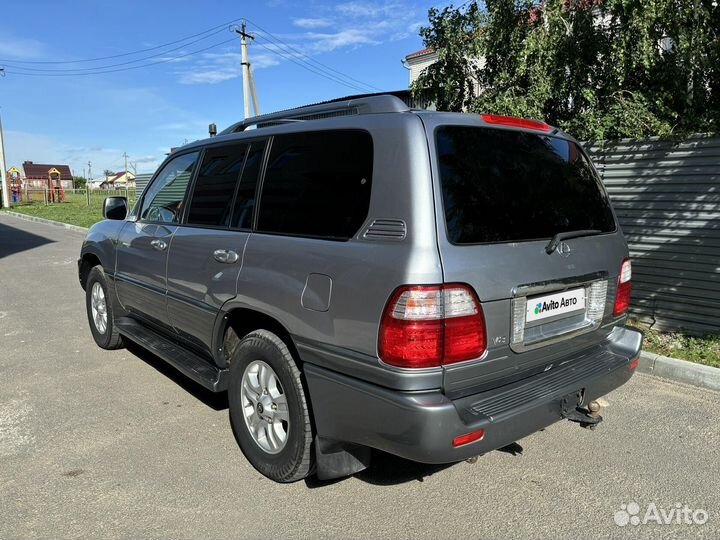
x: 335, y: 459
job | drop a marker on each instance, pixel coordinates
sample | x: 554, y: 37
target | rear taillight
x: 428, y: 326
x: 624, y: 289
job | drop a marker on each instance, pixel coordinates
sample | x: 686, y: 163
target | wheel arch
x: 235, y: 322
x: 88, y: 261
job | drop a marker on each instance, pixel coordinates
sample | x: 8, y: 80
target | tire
x: 283, y: 460
x: 107, y: 336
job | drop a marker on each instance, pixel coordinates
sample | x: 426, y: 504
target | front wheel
x: 99, y: 306
x: 268, y: 408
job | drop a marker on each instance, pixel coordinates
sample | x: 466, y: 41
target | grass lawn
x: 73, y: 210
x: 701, y: 350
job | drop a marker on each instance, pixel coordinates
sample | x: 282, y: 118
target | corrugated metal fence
x: 667, y: 198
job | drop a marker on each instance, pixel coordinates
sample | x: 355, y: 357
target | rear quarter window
x: 510, y: 186
x: 317, y: 184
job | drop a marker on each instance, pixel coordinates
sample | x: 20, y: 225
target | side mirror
x: 115, y: 208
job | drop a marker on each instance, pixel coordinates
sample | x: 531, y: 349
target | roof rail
x: 367, y: 104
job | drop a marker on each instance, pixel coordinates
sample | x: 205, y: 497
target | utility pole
x: 87, y: 183
x: 3, y: 175
x: 126, y: 169
x: 247, y: 73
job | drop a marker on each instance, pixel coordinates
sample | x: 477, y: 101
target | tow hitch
x: 571, y: 410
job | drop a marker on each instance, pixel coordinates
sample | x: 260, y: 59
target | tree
x: 79, y: 182
x: 108, y: 172
x: 597, y: 68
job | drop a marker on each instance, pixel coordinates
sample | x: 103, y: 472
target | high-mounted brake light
x: 512, y: 121
x: 624, y: 289
x: 428, y: 326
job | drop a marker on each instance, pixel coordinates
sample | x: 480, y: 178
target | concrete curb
x: 680, y: 371
x: 44, y: 220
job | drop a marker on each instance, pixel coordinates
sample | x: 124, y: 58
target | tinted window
x: 317, y: 184
x: 163, y: 201
x: 214, y: 188
x: 245, y: 198
x: 504, y: 186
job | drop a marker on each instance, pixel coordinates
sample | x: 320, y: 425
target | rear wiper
x: 559, y: 237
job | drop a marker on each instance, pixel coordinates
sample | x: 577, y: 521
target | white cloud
x: 23, y: 146
x: 313, y: 23
x: 370, y: 9
x: 322, y: 42
x: 20, y: 48
x: 213, y: 68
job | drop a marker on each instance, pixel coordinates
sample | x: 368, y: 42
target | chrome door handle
x: 225, y: 256
x: 160, y: 245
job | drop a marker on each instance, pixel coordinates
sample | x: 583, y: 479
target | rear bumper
x: 421, y: 425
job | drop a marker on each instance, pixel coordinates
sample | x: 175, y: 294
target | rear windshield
x: 509, y: 186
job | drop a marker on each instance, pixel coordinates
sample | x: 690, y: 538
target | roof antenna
x: 212, y: 129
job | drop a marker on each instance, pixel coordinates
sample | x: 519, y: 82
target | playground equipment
x: 15, y: 180
x: 56, y: 193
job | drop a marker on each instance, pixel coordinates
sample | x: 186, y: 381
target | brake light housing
x: 512, y: 121
x: 624, y: 289
x: 426, y: 326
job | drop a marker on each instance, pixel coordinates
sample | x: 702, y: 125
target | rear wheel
x: 268, y: 408
x: 100, y: 312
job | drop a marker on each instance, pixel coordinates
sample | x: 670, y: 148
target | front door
x: 143, y: 244
x: 206, y: 254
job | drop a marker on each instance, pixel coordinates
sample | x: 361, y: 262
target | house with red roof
x: 36, y: 175
x: 416, y: 62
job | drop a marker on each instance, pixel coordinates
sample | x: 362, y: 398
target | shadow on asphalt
x: 388, y: 470
x: 14, y: 240
x: 216, y: 401
x: 385, y: 469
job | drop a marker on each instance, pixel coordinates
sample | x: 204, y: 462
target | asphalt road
x: 103, y: 444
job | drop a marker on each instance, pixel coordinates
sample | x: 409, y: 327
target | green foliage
x: 79, y: 182
x: 600, y: 69
x: 698, y: 349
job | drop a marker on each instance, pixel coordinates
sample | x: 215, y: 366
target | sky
x: 54, y: 113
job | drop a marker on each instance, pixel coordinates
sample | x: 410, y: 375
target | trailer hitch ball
x: 594, y: 407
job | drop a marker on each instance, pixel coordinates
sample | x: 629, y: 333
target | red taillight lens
x: 427, y: 326
x: 468, y: 438
x: 634, y: 363
x: 511, y: 121
x: 624, y: 289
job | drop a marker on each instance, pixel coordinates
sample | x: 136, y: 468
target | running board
x: 186, y: 362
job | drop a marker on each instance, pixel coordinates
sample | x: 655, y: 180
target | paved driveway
x: 115, y: 444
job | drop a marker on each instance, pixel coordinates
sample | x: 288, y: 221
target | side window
x: 245, y: 198
x: 163, y: 201
x: 212, y: 196
x: 317, y: 184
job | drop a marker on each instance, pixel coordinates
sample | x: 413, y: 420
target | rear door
x: 206, y: 255
x: 143, y: 244
x: 502, y: 193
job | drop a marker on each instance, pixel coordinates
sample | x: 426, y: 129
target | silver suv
x: 358, y: 275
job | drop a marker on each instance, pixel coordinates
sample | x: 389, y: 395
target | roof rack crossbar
x: 371, y: 104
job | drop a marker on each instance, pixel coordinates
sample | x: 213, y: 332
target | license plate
x: 543, y: 307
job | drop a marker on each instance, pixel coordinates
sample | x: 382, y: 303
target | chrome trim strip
x: 557, y: 284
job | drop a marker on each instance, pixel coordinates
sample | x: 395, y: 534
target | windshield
x: 510, y: 186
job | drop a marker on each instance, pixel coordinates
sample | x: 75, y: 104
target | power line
x: 213, y: 29
x: 289, y: 48
x: 308, y: 67
x: 91, y: 69
x: 163, y: 61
